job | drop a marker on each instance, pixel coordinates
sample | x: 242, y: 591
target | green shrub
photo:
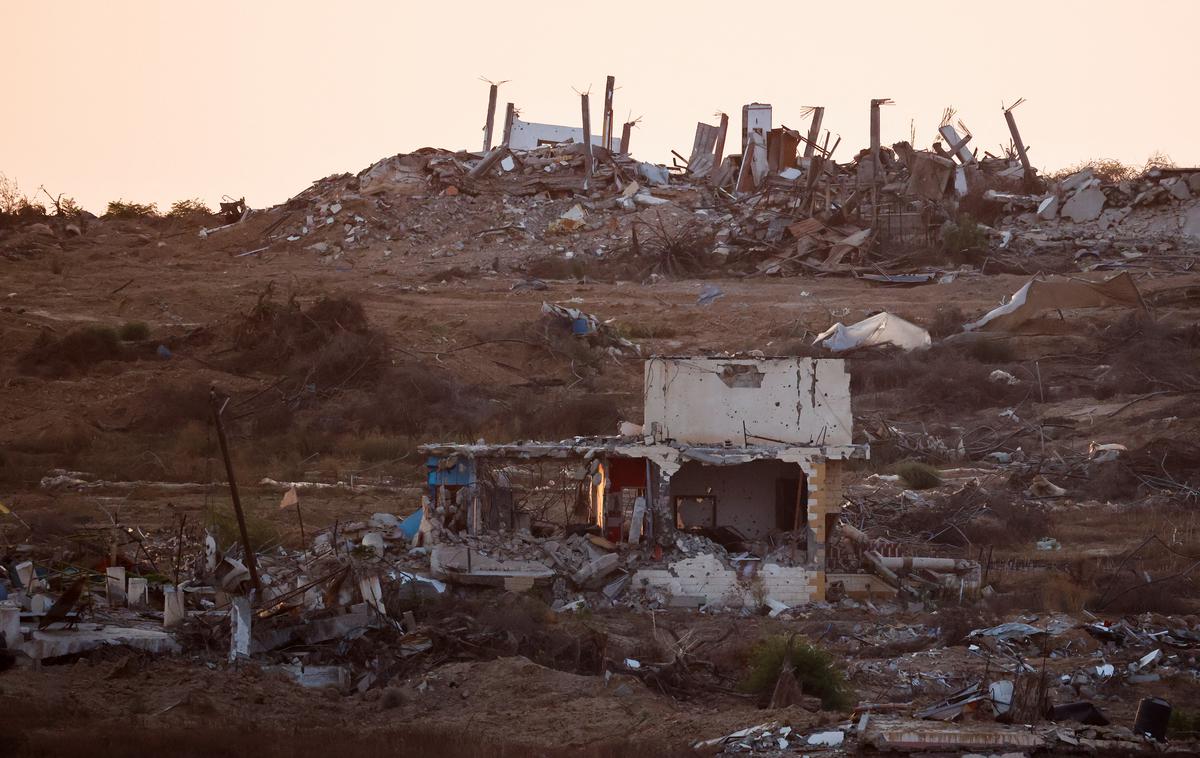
x: 185, y: 209
x: 262, y: 533
x: 917, y: 475
x: 133, y: 331
x: 75, y: 352
x: 963, y: 234
x: 1183, y: 723
x: 815, y: 669
x: 122, y: 209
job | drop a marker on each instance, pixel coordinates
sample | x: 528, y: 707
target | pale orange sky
x: 157, y: 101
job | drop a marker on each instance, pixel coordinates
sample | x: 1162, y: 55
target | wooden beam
x: 1022, y: 153
x: 607, y: 130
x: 491, y: 118
x: 875, y: 164
x: 587, y: 140
x: 510, y: 115
x: 625, y: 134
x: 718, y: 152
x: 814, y: 130
x: 251, y: 563
x: 488, y: 161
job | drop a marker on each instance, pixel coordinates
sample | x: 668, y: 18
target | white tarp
x: 881, y: 329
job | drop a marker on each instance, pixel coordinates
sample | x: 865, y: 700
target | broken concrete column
x: 174, y: 610
x: 239, y: 628
x: 10, y: 624
x: 372, y: 594
x: 115, y: 585
x: 136, y: 592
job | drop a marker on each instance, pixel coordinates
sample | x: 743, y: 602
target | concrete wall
x: 707, y: 577
x: 799, y: 401
x: 745, y: 494
x: 526, y: 135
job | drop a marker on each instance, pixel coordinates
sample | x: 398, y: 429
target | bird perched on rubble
x: 64, y: 605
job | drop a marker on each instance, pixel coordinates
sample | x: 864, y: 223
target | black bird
x: 64, y: 605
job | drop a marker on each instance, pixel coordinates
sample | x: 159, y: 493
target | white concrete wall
x: 755, y: 116
x: 706, y: 576
x: 798, y: 401
x: 526, y: 135
x: 745, y: 494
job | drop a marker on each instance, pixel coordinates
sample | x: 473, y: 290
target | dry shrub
x: 1107, y: 170
x: 947, y: 320
x: 917, y: 475
x: 426, y: 399
x: 48, y: 524
x: 647, y: 331
x: 656, y: 247
x: 1008, y: 522
x: 1166, y: 597
x: 991, y: 351
x: 273, y: 418
x: 587, y: 415
x: 262, y: 533
x: 130, y: 210
x: 134, y: 331
x: 956, y: 622
x: 1114, y: 481
x: 557, y: 267
x: 963, y: 235
x: 169, y: 405
x: 946, y: 376
x: 325, y: 347
x: 190, y: 210
x: 1146, y: 355
x: 73, y: 354
x: 998, y: 519
x: 1062, y: 592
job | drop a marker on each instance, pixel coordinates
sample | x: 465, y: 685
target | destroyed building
x: 746, y: 452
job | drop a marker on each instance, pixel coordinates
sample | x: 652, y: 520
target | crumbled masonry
x: 927, y: 411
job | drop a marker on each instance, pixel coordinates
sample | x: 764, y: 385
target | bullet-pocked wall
x: 749, y: 402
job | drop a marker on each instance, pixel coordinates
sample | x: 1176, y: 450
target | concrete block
x: 240, y: 627
x: 25, y: 573
x: 115, y: 585
x: 372, y: 594
x: 174, y: 607
x: 52, y: 643
x: 10, y: 624
x: 1085, y: 205
x: 1191, y: 222
x: 136, y: 592
x: 1179, y: 189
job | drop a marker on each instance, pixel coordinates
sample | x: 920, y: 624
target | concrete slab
x: 1191, y: 222
x: 315, y: 676
x: 52, y: 643
x: 1085, y: 205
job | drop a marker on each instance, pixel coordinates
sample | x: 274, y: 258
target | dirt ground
x: 464, y: 353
